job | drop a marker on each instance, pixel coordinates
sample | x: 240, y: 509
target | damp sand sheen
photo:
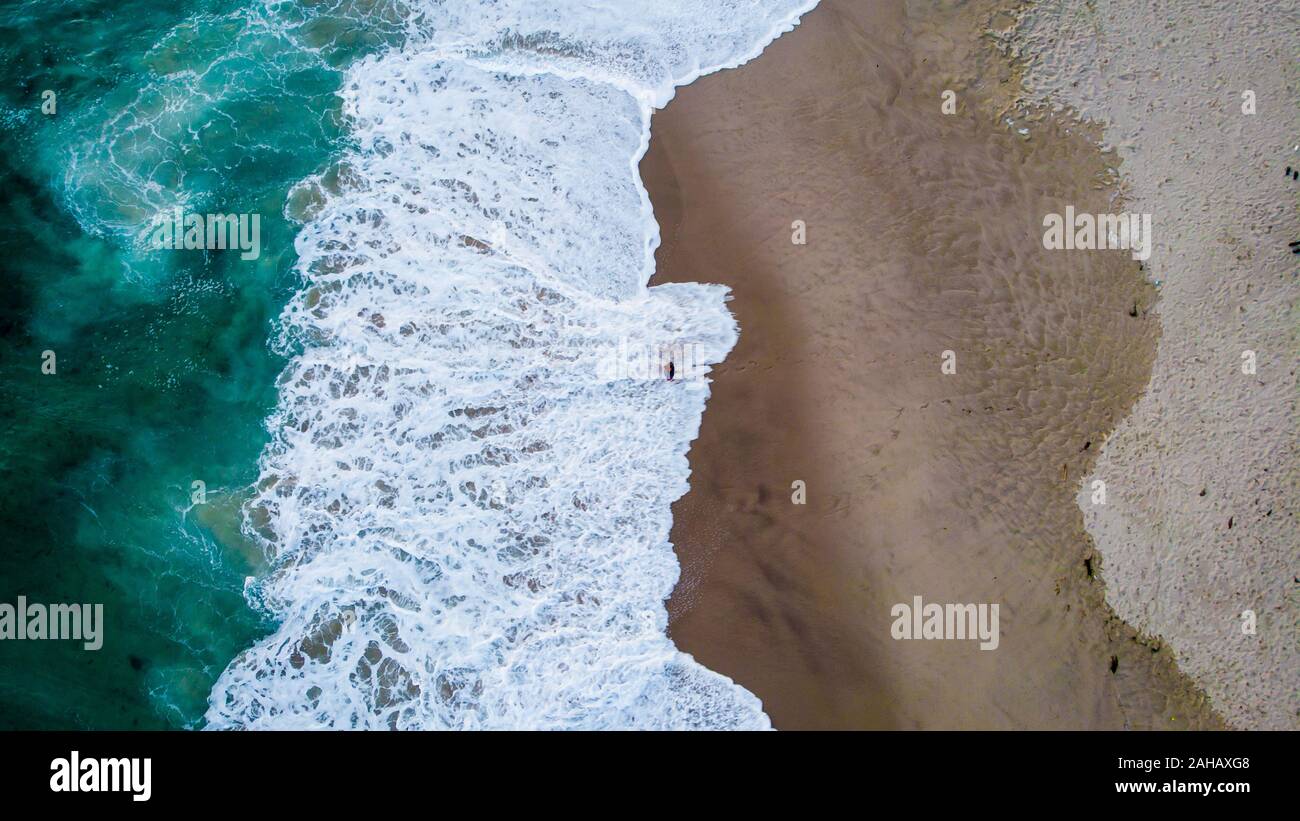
x: 468, y: 527
x: 426, y: 500
x: 923, y: 235
x: 466, y: 531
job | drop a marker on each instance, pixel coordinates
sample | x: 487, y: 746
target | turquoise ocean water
x: 458, y: 513
x: 164, y: 374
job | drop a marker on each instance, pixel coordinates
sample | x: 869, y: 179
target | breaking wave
x: 467, y: 516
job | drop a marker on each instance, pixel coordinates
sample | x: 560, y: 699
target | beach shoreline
x: 1198, y: 541
x: 921, y: 234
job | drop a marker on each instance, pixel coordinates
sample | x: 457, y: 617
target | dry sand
x: 923, y: 235
x: 1200, y: 523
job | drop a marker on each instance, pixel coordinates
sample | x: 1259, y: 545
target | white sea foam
x: 468, y: 524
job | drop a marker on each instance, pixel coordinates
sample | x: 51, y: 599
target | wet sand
x: 923, y: 236
x: 1205, y: 473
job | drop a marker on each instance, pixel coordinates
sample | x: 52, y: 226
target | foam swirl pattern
x: 466, y: 512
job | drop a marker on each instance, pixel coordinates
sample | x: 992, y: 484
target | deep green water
x: 164, y: 370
